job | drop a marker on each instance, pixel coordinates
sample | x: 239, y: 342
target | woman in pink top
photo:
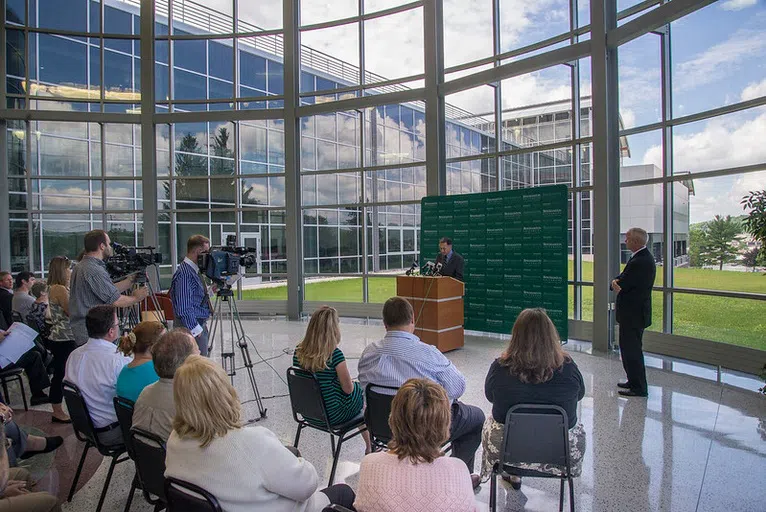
x: 414, y: 475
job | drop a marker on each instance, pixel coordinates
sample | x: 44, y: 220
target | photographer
x: 188, y: 293
x: 90, y: 284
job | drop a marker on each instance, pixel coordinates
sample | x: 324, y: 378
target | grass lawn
x: 735, y: 321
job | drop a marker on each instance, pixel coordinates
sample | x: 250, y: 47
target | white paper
x: 19, y: 340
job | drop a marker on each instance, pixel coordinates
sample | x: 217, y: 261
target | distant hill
x: 700, y: 225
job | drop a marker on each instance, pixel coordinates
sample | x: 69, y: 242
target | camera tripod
x: 230, y: 315
x: 130, y: 317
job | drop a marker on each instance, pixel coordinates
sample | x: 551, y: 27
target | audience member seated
x: 6, y: 297
x: 37, y: 318
x: 32, y: 363
x: 22, y: 300
x: 94, y: 368
x: 16, y: 489
x: 400, y: 356
x: 155, y: 409
x: 414, y: 474
x: 139, y: 373
x: 319, y: 354
x: 23, y: 445
x: 246, y: 469
x: 533, y: 369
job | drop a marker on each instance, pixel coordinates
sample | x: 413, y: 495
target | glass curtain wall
x: 372, y: 136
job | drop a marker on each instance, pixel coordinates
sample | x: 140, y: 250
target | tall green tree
x: 719, y: 241
x: 755, y: 221
x: 751, y: 257
x: 696, y: 236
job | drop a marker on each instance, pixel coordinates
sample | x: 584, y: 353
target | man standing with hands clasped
x: 634, y: 310
x: 189, y: 295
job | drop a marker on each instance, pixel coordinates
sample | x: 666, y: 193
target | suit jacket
x: 454, y: 267
x: 634, y: 302
x: 6, y: 305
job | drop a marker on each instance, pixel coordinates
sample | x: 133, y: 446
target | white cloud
x: 720, y: 60
x: 754, y: 90
x: 628, y: 117
x: 737, y: 5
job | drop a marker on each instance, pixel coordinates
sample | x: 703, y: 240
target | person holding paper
x: 30, y: 360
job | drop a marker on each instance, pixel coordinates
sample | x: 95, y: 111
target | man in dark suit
x: 6, y: 297
x: 452, y: 262
x: 634, y: 310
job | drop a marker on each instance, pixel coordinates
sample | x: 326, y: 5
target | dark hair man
x: 189, y: 295
x: 90, y: 284
x: 400, y: 356
x: 94, y: 368
x: 452, y: 262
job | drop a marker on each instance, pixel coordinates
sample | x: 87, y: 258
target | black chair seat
x: 535, y: 434
x: 352, y: 423
x: 10, y: 375
x: 85, y: 431
x: 310, y: 410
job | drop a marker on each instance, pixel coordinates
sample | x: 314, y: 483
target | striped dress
x: 340, y: 406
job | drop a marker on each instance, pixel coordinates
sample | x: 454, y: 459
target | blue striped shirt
x: 189, y: 296
x: 400, y: 356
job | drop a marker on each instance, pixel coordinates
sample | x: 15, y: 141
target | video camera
x: 127, y: 260
x: 224, y: 261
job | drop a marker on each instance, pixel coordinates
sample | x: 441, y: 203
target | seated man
x: 22, y: 300
x: 94, y: 368
x: 400, y: 356
x: 155, y: 409
x: 32, y: 363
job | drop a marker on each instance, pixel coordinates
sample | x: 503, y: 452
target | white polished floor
x: 696, y: 444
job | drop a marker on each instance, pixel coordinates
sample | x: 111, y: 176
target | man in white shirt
x: 94, y: 368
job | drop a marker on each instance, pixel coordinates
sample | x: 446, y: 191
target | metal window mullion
x: 668, y: 187
x: 293, y: 212
x: 30, y: 195
x: 5, y: 216
x: 433, y: 29
x: 498, y: 114
x: 102, y: 181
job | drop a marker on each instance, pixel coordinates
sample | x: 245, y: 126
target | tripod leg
x: 242, y: 342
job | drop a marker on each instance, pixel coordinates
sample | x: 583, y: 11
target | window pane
x: 735, y: 321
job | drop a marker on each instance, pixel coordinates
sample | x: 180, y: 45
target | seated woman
x: 414, y: 474
x: 532, y: 369
x: 319, y: 354
x: 16, y: 489
x: 138, y: 373
x: 246, y: 469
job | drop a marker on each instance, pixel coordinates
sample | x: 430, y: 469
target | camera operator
x: 188, y: 293
x: 90, y: 284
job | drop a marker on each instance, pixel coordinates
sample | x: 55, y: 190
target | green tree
x: 750, y: 258
x: 755, y: 221
x: 696, y: 235
x: 189, y: 162
x: 719, y: 243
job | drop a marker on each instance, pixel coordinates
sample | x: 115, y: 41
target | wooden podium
x: 438, y: 305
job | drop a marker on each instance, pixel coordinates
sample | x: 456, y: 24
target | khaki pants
x: 33, y: 502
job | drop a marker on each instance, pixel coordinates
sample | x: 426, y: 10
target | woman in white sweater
x: 246, y: 469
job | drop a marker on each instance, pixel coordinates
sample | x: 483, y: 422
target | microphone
x: 438, y: 269
x: 428, y: 269
x: 412, y: 268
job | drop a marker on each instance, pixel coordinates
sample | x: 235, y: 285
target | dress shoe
x: 515, y: 481
x: 39, y: 400
x: 51, y: 443
x: 623, y: 385
x: 630, y: 392
x: 59, y: 420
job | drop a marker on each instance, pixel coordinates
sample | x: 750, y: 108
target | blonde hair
x: 141, y: 339
x: 534, y: 352
x: 419, y: 420
x: 322, y: 338
x: 58, y: 271
x: 207, y: 405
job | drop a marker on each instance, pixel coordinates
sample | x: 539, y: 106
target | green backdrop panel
x: 515, y: 248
